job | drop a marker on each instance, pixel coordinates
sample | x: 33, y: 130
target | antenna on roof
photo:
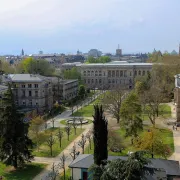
x: 118, y: 46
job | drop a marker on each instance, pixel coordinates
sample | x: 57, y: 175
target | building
x: 31, y: 91
x: 164, y: 169
x: 94, y: 53
x: 64, y: 90
x: 177, y: 96
x: 114, y: 74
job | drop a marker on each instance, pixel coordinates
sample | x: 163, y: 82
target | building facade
x: 64, y: 90
x: 31, y: 91
x: 111, y: 75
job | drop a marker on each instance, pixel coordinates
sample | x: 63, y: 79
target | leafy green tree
x: 81, y: 91
x: 102, y: 59
x: 72, y: 74
x: 152, y: 141
x: 131, y: 115
x: 16, y: 143
x: 100, y: 135
x: 30, y: 65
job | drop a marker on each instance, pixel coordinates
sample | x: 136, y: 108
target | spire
x: 118, y: 46
x: 22, y: 52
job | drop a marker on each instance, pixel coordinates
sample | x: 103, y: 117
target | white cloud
x: 50, y: 15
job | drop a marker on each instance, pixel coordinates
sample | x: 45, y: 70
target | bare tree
x: 60, y: 136
x: 81, y: 119
x: 54, y: 172
x: 52, y: 120
x: 62, y: 164
x: 73, y: 152
x: 68, y: 130
x: 89, y: 138
x: 74, y: 125
x: 82, y: 142
x: 50, y: 142
x: 113, y: 100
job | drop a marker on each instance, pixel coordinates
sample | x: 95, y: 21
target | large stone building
x: 111, y: 75
x: 31, y: 91
x: 177, y: 96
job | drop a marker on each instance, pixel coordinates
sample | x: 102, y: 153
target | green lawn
x: 29, y: 171
x: 86, y: 111
x: 126, y: 142
x: 64, y: 122
x: 164, y: 112
x: 44, y: 150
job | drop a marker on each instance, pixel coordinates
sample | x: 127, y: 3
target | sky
x: 64, y: 26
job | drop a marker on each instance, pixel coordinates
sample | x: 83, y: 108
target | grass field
x: 44, y: 150
x: 27, y: 173
x: 166, y: 134
x: 86, y: 111
x: 164, y: 112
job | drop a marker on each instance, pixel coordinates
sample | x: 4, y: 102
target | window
x: 117, y: 73
x: 84, y: 73
x: 135, y: 73
x: 92, y: 73
x: 109, y: 73
x: 23, y: 93
x: 96, y: 73
x: 100, y: 73
x: 96, y: 81
x: 88, y: 73
x: 36, y: 85
x: 139, y: 73
x: 109, y: 81
x: 121, y: 73
x: 92, y: 81
x: 113, y: 81
x: 88, y: 81
x: 100, y: 81
x: 23, y: 103
x: 36, y: 93
x: 30, y: 93
x: 23, y: 85
x: 113, y: 73
x: 125, y: 73
x: 104, y: 73
x: 143, y: 73
x: 29, y: 85
x: 30, y: 103
x: 130, y: 73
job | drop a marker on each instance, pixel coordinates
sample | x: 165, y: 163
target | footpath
x: 56, y: 160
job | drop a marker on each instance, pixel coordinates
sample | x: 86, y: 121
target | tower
x: 118, y: 52
x: 22, y: 52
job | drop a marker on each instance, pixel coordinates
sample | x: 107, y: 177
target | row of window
x: 92, y: 81
x: 114, y: 73
x: 24, y: 85
x: 24, y: 103
x: 29, y: 93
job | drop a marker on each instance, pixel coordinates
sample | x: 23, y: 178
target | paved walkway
x: 44, y: 174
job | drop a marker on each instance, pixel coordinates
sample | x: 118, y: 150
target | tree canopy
x: 31, y: 65
x: 102, y: 59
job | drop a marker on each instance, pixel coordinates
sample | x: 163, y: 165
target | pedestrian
x: 173, y: 127
x: 176, y: 127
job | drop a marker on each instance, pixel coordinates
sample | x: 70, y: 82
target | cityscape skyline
x: 59, y: 26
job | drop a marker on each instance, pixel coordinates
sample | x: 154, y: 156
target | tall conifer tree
x: 100, y: 135
x: 14, y: 132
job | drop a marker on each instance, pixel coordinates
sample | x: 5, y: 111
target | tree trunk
x: 90, y: 144
x: 64, y: 174
x: 51, y: 150
x: 83, y: 149
x: 60, y: 143
x: 15, y: 162
x: 75, y: 131
x: 68, y: 137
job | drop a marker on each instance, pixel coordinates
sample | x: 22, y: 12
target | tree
x: 50, y: 142
x: 74, y: 125
x: 134, y: 168
x: 54, y: 172
x: 73, y: 152
x: 81, y: 91
x: 89, y: 138
x: 100, y: 135
x: 82, y: 142
x: 81, y: 119
x: 131, y: 115
x: 68, y: 130
x: 113, y: 100
x: 60, y: 136
x: 16, y: 143
x: 153, y: 142
x: 31, y: 65
x: 35, y: 129
x: 62, y: 164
